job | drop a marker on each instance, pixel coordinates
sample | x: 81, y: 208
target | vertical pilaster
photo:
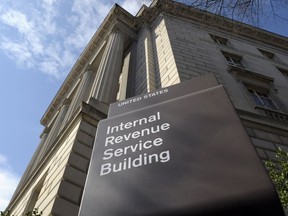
x: 82, y: 93
x: 105, y: 86
x: 123, y: 81
x: 40, y: 152
x: 131, y: 82
x: 56, y: 126
x: 145, y: 75
x: 33, y: 162
x: 150, y: 72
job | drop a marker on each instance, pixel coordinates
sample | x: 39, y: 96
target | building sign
x: 188, y: 155
x: 161, y: 95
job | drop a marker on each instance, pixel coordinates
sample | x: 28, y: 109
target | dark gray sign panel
x: 186, y: 156
x: 163, y: 94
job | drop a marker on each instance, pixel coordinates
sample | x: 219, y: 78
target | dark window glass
x: 262, y: 99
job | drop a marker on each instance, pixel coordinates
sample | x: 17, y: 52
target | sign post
x: 187, y: 154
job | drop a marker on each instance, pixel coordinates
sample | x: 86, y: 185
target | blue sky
x: 39, y: 42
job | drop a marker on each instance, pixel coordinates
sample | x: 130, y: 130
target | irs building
x: 130, y: 58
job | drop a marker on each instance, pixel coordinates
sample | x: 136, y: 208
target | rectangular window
x: 219, y: 40
x: 267, y: 54
x: 233, y: 59
x: 262, y: 99
x: 259, y: 88
x: 284, y: 72
x: 31, y: 204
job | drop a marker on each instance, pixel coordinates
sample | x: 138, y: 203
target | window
x: 31, y: 204
x: 233, y: 60
x: 262, y: 99
x: 259, y: 88
x: 267, y: 54
x: 219, y: 40
x: 284, y: 72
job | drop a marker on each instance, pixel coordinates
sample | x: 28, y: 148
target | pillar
x: 56, y: 126
x: 32, y: 164
x: 105, y: 85
x: 82, y: 93
x: 127, y: 82
x: 39, y: 152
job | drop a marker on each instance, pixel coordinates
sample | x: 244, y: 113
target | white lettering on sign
x: 141, y: 160
x: 137, y: 122
x: 138, y: 142
x: 139, y: 98
x: 132, y: 148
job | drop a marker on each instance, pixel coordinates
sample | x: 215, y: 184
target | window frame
x: 283, y: 72
x: 35, y: 194
x: 262, y: 99
x: 219, y: 40
x: 267, y: 54
x: 262, y: 84
x: 233, y: 59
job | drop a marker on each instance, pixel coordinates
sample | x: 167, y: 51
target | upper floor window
x: 262, y: 99
x: 233, y: 60
x: 267, y: 54
x: 35, y: 195
x: 260, y: 88
x: 219, y: 40
x: 284, y: 72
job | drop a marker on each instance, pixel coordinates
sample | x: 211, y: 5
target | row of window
x: 224, y: 42
x: 235, y: 60
x: 260, y: 97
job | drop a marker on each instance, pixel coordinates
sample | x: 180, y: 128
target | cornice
x: 147, y: 15
x: 250, y: 74
x: 117, y: 15
x: 212, y: 21
x: 253, y: 120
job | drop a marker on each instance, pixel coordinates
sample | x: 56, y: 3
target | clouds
x: 27, y: 44
x: 18, y: 20
x: 86, y: 16
x: 31, y: 37
x: 8, y: 182
x: 133, y: 6
x: 16, y: 51
x: 47, y: 36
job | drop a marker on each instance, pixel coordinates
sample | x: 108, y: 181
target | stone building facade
x: 164, y: 44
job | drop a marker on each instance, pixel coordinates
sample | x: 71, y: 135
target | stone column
x: 131, y: 82
x: 105, y: 85
x: 33, y: 162
x: 145, y: 66
x: 41, y: 146
x: 56, y: 126
x: 38, y: 153
x: 127, y: 88
x: 82, y: 93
